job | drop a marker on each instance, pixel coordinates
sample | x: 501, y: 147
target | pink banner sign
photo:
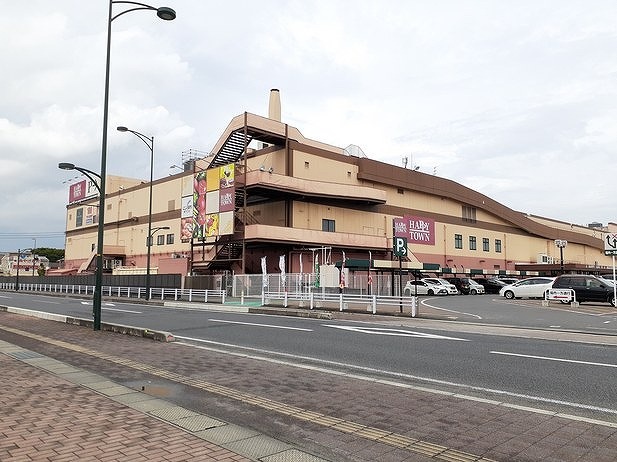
x: 417, y: 230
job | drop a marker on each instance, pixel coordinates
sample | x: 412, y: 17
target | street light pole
x: 166, y: 14
x: 33, y: 250
x: 561, y: 243
x: 149, y: 142
x: 19, y: 251
x: 17, y: 276
x: 149, y: 245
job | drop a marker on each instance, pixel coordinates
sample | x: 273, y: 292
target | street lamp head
x: 166, y: 13
x: 122, y: 129
x: 66, y: 166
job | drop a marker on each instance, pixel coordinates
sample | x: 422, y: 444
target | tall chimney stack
x: 274, y: 108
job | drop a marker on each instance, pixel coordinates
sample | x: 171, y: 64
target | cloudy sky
x: 517, y: 100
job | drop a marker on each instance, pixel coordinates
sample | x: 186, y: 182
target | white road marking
x: 548, y: 358
x: 424, y: 302
x: 393, y: 332
x: 123, y: 311
x: 293, y: 361
x: 113, y: 309
x: 106, y: 304
x: 261, y: 325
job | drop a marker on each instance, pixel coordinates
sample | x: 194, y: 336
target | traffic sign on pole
x: 399, y: 246
x: 610, y: 244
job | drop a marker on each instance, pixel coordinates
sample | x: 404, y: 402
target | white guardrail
x: 343, y: 301
x: 311, y: 300
x: 561, y: 295
x: 190, y: 295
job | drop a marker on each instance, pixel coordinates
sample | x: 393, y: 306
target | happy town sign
x: 417, y: 230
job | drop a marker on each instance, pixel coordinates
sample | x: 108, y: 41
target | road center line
x: 548, y: 358
x: 261, y: 325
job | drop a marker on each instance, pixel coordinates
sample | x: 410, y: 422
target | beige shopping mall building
x: 308, y: 200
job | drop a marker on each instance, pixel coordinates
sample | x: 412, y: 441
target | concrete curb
x: 159, y: 336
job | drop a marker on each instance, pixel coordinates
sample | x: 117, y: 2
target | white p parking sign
x: 400, y: 246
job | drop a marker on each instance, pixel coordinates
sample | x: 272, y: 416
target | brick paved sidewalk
x: 339, y: 417
x: 44, y: 417
x: 51, y: 411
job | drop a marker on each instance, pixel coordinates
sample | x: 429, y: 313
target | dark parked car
x: 467, y: 286
x: 587, y: 288
x: 491, y: 285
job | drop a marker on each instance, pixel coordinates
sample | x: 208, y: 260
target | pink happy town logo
x: 417, y: 230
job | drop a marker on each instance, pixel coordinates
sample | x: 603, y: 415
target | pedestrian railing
x: 343, y: 302
x: 190, y: 295
x: 311, y: 300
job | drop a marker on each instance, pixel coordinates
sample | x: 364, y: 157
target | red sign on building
x: 417, y: 230
x: 77, y: 191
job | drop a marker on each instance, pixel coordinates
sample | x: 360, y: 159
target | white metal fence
x: 275, y: 290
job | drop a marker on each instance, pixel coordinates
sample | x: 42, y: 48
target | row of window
x: 473, y: 245
x: 161, y: 239
x: 329, y: 225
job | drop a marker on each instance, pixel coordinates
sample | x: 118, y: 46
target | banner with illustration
x: 213, y: 199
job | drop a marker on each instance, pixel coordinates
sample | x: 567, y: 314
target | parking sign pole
x: 610, y: 248
x: 614, y: 283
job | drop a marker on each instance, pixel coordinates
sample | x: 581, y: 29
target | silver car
x: 421, y: 287
x: 529, y: 288
x: 452, y: 290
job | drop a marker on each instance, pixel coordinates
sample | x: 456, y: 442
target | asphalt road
x: 493, y: 309
x: 572, y: 377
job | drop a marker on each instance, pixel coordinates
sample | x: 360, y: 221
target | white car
x: 475, y: 288
x: 530, y: 288
x: 421, y: 287
x: 452, y: 290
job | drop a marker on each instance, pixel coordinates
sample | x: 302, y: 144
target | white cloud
x: 513, y: 99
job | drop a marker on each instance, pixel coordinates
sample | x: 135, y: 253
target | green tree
x: 53, y: 255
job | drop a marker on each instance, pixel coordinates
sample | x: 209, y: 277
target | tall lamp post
x: 96, y: 302
x: 33, y: 250
x: 560, y: 243
x: 19, y: 251
x: 166, y: 14
x: 149, y: 142
x: 149, y: 246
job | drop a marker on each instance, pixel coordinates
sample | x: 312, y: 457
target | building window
x: 469, y: 213
x: 498, y: 245
x: 306, y: 165
x: 327, y: 225
x: 400, y: 191
x: 170, y: 238
x: 160, y: 239
x: 472, y: 242
x: 486, y: 245
x: 149, y: 241
x: 171, y: 205
x: 458, y: 241
x: 108, y: 206
x: 79, y: 217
